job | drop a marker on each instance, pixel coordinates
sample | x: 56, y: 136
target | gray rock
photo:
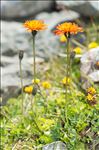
x: 94, y: 76
x: 55, y: 146
x: 86, y: 8
x: 89, y: 72
x: 9, y: 92
x: 54, y: 18
x: 21, y: 9
x: 38, y: 60
x: 10, y: 75
x: 15, y: 38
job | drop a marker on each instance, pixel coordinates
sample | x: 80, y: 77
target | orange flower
x: 35, y: 25
x: 67, y: 28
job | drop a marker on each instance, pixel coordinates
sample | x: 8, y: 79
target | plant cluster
x: 53, y: 107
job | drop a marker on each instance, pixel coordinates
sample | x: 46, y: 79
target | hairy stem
x: 67, y: 75
x: 21, y: 77
x: 34, y: 67
x: 67, y: 65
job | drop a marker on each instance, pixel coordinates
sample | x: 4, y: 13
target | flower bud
x: 72, y: 55
x: 34, y: 91
x: 21, y: 52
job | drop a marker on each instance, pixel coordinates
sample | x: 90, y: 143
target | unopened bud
x: 21, y: 52
x: 72, y: 55
x: 34, y: 90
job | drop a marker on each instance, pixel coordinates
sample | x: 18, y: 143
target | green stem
x: 67, y: 65
x: 88, y: 37
x: 21, y: 77
x: 95, y: 28
x: 97, y: 32
x: 34, y: 73
x: 67, y: 75
x: 70, y: 69
x: 34, y: 68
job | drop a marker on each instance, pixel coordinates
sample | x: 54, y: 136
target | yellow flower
x: 66, y: 81
x: 91, y: 90
x: 37, y: 81
x: 77, y: 50
x: 28, y: 89
x: 90, y: 97
x: 35, y: 25
x: 93, y: 45
x: 63, y: 38
x: 67, y: 28
x: 46, y: 85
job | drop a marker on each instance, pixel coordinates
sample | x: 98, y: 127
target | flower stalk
x: 67, y: 29
x: 34, y: 58
x: 67, y: 72
x: 21, y: 76
x: 67, y: 64
x: 34, y: 67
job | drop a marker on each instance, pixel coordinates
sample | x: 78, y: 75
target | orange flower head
x: 67, y: 28
x: 35, y: 25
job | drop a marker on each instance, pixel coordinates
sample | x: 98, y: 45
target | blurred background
x: 14, y: 37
